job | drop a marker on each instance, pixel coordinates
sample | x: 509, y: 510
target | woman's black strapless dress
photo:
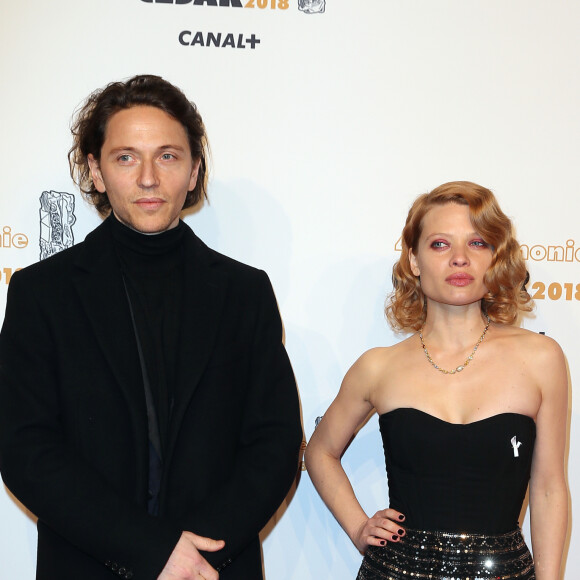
x: 461, y: 488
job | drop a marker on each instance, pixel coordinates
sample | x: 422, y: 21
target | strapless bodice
x: 458, y: 477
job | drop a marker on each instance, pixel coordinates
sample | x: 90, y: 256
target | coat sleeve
x: 267, y: 459
x: 42, y: 469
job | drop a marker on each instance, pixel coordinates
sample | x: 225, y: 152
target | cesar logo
x: 312, y: 6
x: 56, y: 220
x: 226, y: 3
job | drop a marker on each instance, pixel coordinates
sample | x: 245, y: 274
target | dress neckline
x: 434, y: 417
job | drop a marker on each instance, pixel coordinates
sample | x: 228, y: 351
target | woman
x: 470, y: 409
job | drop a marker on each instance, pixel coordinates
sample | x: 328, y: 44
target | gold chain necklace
x: 467, y: 360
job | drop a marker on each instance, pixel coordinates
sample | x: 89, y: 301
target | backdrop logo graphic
x: 56, y: 220
x: 312, y: 6
x: 565, y: 253
x: 188, y: 38
x: 223, y: 3
x: 9, y: 239
x: 306, y: 6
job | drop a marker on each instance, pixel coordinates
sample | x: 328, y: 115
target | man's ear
x: 96, y: 173
x: 413, y: 263
x: 194, y: 174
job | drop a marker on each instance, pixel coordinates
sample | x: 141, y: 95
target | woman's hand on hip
x: 384, y: 526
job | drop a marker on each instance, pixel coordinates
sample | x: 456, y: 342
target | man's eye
x: 167, y: 156
x: 124, y: 158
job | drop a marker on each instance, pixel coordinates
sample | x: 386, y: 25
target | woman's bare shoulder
x: 529, y: 340
x: 539, y: 352
x: 373, y: 362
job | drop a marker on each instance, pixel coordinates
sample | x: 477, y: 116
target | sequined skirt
x: 421, y: 555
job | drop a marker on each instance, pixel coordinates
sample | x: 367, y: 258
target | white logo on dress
x: 515, y: 445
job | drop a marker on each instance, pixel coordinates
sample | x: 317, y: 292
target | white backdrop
x: 322, y: 135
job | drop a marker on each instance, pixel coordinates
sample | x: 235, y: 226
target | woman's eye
x: 438, y: 244
x: 479, y: 243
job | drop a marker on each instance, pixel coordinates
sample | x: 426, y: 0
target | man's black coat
x: 73, y: 420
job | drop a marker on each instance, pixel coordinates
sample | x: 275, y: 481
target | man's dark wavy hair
x: 90, y: 124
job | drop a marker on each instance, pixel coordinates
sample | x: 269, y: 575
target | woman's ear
x: 413, y: 263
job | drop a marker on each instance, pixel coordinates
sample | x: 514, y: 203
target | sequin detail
x: 423, y: 555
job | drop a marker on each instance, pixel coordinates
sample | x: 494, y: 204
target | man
x: 149, y: 415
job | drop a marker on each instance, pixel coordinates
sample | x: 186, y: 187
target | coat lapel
x: 203, y: 297
x: 100, y: 288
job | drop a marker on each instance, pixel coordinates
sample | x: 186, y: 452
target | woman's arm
x: 548, y: 490
x: 325, y: 448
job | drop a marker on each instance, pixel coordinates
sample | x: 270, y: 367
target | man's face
x: 145, y: 168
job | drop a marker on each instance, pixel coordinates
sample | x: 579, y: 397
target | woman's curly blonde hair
x: 505, y: 279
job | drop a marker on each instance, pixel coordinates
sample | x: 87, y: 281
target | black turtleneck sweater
x: 152, y: 267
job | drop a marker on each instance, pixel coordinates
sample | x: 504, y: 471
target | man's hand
x: 186, y: 563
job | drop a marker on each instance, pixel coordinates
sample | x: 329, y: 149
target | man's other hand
x: 186, y: 563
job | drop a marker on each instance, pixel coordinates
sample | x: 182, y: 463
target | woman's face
x: 451, y: 257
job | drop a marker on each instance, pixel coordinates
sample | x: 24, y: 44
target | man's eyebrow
x: 169, y: 146
x: 132, y: 149
x: 121, y: 148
